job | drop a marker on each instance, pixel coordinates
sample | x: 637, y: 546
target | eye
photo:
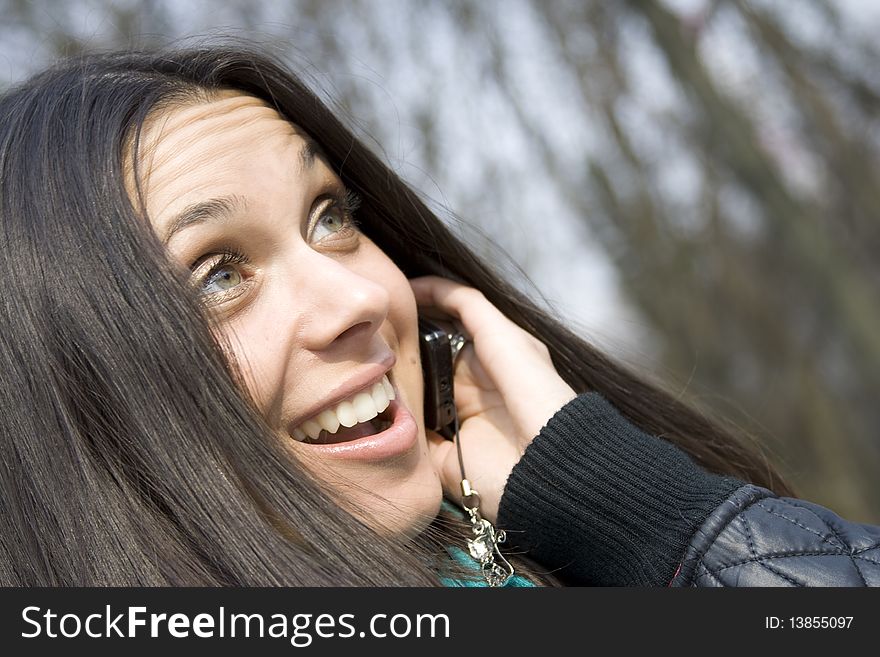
x: 336, y: 215
x: 222, y: 278
x: 332, y: 220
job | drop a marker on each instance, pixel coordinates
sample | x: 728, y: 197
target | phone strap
x: 484, y: 545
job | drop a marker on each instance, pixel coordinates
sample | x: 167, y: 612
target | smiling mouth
x: 365, y: 413
x: 360, y: 430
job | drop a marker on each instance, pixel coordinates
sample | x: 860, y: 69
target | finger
x: 423, y: 289
x: 442, y: 454
x: 494, y: 336
x: 468, y: 304
x: 511, y: 357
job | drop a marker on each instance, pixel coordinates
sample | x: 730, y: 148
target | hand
x: 506, y: 389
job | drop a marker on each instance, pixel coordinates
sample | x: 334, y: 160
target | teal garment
x: 465, y: 559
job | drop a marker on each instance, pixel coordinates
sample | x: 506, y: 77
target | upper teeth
x: 362, y: 407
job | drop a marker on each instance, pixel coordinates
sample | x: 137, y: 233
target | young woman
x: 212, y: 370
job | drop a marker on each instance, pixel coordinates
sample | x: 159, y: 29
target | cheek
x: 256, y: 354
x: 405, y: 326
x: 403, y: 311
x: 403, y: 308
x: 403, y: 337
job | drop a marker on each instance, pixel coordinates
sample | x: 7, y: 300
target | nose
x: 346, y: 305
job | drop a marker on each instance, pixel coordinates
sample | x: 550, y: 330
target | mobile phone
x: 436, y: 352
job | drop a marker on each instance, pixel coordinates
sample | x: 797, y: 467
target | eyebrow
x: 308, y: 153
x: 221, y: 208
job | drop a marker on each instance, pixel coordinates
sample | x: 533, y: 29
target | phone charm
x: 484, y: 545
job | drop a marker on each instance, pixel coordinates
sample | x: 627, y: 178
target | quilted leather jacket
x: 755, y: 538
x: 601, y: 502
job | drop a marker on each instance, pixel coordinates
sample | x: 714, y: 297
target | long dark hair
x: 129, y: 454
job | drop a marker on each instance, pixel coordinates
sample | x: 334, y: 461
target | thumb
x: 445, y: 459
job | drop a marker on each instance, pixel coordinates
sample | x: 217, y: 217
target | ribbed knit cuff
x: 604, y: 502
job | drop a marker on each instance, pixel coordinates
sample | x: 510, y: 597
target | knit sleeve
x: 600, y: 502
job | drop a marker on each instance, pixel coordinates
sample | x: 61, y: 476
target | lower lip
x: 397, y: 439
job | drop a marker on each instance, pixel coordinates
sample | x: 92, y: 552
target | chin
x: 402, y: 500
x: 406, y: 513
x: 413, y: 492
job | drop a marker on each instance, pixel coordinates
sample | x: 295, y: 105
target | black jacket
x: 601, y: 502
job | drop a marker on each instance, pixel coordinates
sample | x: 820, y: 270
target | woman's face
x: 314, y: 313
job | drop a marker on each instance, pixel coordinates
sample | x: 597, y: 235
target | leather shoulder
x: 755, y: 538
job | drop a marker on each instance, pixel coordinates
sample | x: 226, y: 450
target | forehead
x: 189, y: 149
x: 222, y: 112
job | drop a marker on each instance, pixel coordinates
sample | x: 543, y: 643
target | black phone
x: 436, y: 352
